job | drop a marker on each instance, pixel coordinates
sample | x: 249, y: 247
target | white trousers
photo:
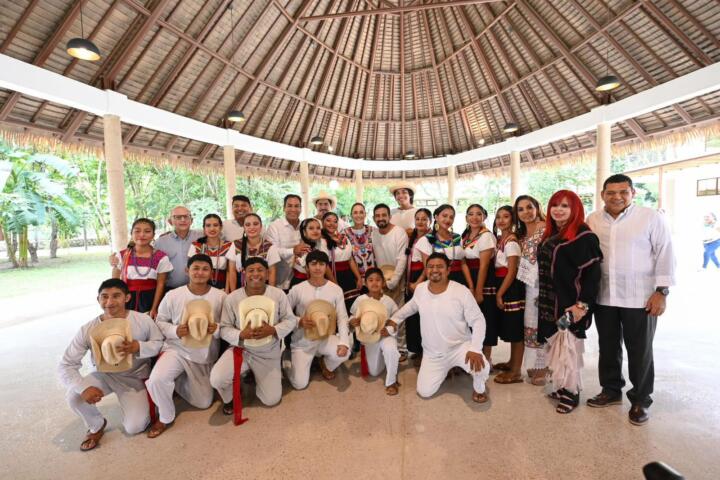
x: 433, y: 371
x: 133, y: 403
x: 268, y: 377
x: 191, y: 380
x: 302, y: 356
x: 383, y: 354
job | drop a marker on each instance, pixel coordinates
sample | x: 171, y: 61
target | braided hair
x: 204, y: 238
x: 244, y: 241
x: 432, y: 236
x: 414, y: 233
x: 466, y: 232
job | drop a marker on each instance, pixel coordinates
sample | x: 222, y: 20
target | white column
x: 305, y: 188
x: 359, y: 194
x: 514, y: 175
x: 452, y: 171
x: 230, y: 173
x: 112, y: 131
x: 661, y: 187
x: 603, y: 161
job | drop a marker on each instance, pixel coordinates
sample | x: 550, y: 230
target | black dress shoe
x: 603, y: 399
x: 638, y: 415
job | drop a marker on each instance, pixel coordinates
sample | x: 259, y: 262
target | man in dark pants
x: 638, y: 269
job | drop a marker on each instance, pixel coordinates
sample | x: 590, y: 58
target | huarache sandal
x: 507, y: 378
x: 228, y: 408
x: 568, y: 401
x: 480, y: 397
x: 92, y: 440
x: 327, y: 374
x: 392, y: 390
x: 156, y: 429
x: 502, y: 367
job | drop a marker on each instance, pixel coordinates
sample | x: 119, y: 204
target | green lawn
x: 54, y: 274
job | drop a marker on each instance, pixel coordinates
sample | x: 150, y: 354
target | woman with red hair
x: 569, y: 268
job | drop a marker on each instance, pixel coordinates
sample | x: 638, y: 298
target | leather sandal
x: 92, y: 440
x: 327, y: 374
x: 480, y: 397
x: 508, y: 377
x: 392, y: 390
x: 156, y: 429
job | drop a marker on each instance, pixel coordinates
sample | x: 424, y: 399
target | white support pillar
x: 661, y: 186
x: 305, y: 188
x: 230, y: 174
x: 603, y: 160
x: 359, y: 194
x: 452, y: 172
x: 112, y: 132
x: 514, y: 175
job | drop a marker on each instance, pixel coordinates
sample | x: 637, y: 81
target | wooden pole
x: 115, y: 181
x: 603, y: 161
x: 230, y: 174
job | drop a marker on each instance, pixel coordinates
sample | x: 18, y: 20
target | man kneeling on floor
x: 255, y: 319
x: 121, y: 343
x: 320, y: 305
x: 186, y: 317
x: 452, y: 327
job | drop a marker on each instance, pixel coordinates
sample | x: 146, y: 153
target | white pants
x: 302, y: 356
x: 268, y: 377
x: 191, y: 380
x: 383, y: 354
x: 434, y: 370
x: 398, y: 296
x: 134, y: 405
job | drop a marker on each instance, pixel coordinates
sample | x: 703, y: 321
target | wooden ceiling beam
x: 692, y: 50
x: 394, y: 9
x: 426, y: 83
x: 17, y: 25
x: 403, y: 149
x: 370, y: 78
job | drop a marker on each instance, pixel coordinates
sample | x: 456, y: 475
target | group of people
x: 193, y: 312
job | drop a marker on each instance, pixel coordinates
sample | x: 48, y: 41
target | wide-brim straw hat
x: 198, y: 314
x: 388, y: 272
x: 373, y: 315
x: 105, y: 338
x: 397, y: 186
x: 253, y: 311
x: 323, y: 195
x: 325, y: 317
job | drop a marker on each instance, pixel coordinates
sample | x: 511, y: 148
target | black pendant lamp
x: 82, y: 48
x: 316, y: 140
x: 510, y: 127
x: 235, y: 116
x: 607, y: 83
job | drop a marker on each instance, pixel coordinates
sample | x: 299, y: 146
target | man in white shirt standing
x: 404, y: 215
x: 233, y: 227
x: 453, y: 330
x: 637, y: 271
x: 284, y: 233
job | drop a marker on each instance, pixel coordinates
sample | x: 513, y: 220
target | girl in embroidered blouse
x: 310, y: 235
x: 479, y: 245
x: 442, y: 239
x: 530, y: 226
x: 221, y: 253
x: 510, y: 295
x: 415, y: 271
x: 254, y: 244
x: 343, y: 268
x: 360, y: 236
x: 143, y: 268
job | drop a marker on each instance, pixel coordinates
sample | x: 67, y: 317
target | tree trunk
x: 23, y: 247
x: 33, y: 251
x: 10, y: 247
x: 53, y: 238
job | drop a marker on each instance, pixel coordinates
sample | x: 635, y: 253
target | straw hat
x: 398, y: 186
x: 254, y: 311
x: 373, y: 315
x: 105, y: 341
x: 325, y: 318
x: 388, y: 272
x: 323, y: 195
x: 198, y: 315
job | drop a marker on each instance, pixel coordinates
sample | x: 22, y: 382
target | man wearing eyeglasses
x: 176, y: 244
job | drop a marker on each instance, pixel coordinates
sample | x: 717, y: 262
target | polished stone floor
x: 348, y: 428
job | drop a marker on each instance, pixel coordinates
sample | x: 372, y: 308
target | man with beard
x: 284, y: 233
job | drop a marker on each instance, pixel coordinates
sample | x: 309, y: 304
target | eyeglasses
x: 182, y: 217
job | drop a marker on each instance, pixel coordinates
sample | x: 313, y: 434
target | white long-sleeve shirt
x: 144, y: 330
x: 389, y: 249
x: 638, y: 255
x: 170, y: 313
x: 283, y: 236
x: 285, y: 320
x: 302, y: 294
x: 404, y: 219
x: 447, y: 319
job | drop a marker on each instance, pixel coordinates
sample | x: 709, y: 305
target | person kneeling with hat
x: 320, y: 305
x: 369, y: 317
x: 255, y: 319
x: 121, y: 343
x: 186, y: 317
x: 452, y: 327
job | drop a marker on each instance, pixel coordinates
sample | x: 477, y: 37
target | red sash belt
x: 473, y: 263
x: 364, y: 369
x: 501, y: 272
x: 237, y: 386
x: 141, y: 285
x: 220, y: 275
x: 455, y: 266
x: 299, y: 275
x: 342, y: 266
x: 415, y: 266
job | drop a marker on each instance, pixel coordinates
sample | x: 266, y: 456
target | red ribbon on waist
x: 220, y: 275
x: 141, y: 285
x: 501, y: 272
x: 342, y: 266
x: 415, y: 266
x: 455, y: 266
x: 237, y: 386
x: 364, y: 369
x: 300, y: 275
x: 473, y: 263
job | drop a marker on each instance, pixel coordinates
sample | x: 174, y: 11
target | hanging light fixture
x: 410, y: 154
x: 82, y: 48
x: 481, y: 142
x: 316, y: 140
x: 608, y: 82
x: 235, y: 116
x: 510, y: 127
x: 330, y: 148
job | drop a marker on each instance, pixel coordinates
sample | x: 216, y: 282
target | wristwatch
x: 664, y: 291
